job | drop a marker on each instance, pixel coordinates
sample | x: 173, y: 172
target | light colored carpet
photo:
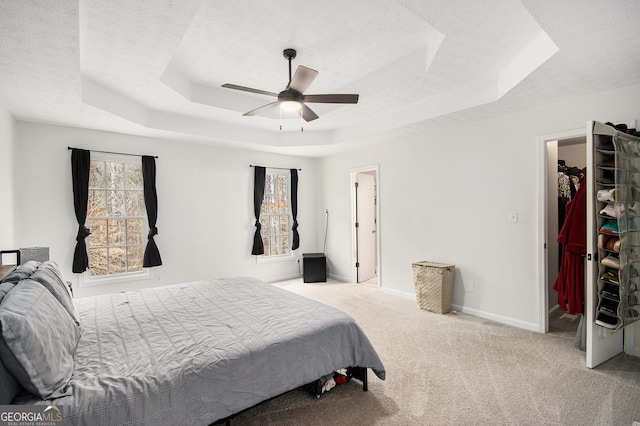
x: 457, y: 369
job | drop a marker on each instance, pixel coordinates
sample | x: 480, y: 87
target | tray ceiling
x: 155, y: 68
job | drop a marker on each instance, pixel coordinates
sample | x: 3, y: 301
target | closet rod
x: 111, y: 152
x: 278, y: 168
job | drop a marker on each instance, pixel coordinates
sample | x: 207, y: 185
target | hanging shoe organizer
x: 617, y: 188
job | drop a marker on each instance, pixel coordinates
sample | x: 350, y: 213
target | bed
x: 193, y: 353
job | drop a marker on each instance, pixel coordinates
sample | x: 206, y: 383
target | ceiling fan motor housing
x: 289, y: 54
x: 290, y: 95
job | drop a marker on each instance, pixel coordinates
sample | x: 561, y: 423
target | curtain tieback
x: 152, y: 232
x: 258, y: 225
x: 83, y: 232
x: 295, y: 225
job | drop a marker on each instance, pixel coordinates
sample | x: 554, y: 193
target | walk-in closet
x: 593, y: 240
x: 567, y: 158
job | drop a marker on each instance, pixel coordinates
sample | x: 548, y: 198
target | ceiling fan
x: 293, y: 97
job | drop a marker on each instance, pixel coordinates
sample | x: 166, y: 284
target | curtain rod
x: 110, y: 152
x: 278, y: 168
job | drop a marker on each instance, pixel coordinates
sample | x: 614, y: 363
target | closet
x: 613, y: 243
x: 566, y: 158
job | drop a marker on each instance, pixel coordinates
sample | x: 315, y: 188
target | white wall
x: 445, y: 195
x: 574, y: 154
x: 205, y: 197
x: 7, y: 143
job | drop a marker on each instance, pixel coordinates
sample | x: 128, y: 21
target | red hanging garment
x: 573, y: 237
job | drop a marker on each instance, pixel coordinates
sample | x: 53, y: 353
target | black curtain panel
x: 259, y: 178
x: 80, y: 162
x: 151, y: 252
x: 294, y: 208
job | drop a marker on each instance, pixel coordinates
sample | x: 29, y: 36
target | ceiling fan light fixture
x: 290, y: 105
x: 292, y: 98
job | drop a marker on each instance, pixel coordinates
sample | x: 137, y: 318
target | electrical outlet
x: 157, y: 277
x: 469, y: 286
x: 513, y: 217
x: 327, y: 211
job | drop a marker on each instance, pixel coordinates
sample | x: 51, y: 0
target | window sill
x: 271, y: 259
x: 87, y: 281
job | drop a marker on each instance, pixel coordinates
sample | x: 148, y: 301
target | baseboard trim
x: 338, y: 278
x: 497, y: 318
x: 470, y: 311
x: 285, y: 278
x: 404, y: 294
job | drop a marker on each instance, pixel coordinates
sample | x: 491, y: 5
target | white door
x: 553, y: 248
x: 602, y: 344
x: 366, y: 226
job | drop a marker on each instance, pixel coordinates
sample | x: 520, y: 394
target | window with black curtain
x: 276, y: 201
x: 111, y: 197
x: 80, y: 162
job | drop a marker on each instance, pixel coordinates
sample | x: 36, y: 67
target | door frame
x: 543, y: 296
x: 352, y: 180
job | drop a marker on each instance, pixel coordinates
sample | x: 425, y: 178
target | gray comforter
x: 198, y: 352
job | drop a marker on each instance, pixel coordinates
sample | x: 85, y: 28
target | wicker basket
x: 434, y: 286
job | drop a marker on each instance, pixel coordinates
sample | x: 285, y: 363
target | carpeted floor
x: 457, y: 369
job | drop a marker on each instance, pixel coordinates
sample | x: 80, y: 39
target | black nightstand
x: 314, y: 267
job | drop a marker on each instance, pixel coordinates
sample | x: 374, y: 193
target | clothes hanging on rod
x: 568, y: 184
x: 573, y: 236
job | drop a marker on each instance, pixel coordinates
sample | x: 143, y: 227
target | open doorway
x: 565, y: 155
x: 365, y: 220
x: 569, y: 156
x: 600, y: 344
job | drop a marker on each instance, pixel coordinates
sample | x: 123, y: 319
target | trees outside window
x: 116, y: 217
x: 275, y: 215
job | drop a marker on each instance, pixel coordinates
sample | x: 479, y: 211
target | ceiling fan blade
x: 249, y: 89
x: 307, y: 113
x: 262, y: 108
x: 302, y: 78
x: 332, y: 99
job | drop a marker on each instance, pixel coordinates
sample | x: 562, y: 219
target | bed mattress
x: 198, y: 352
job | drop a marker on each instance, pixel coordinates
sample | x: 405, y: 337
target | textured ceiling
x: 155, y: 68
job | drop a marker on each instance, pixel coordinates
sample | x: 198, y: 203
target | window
x: 274, y: 216
x: 116, y: 218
